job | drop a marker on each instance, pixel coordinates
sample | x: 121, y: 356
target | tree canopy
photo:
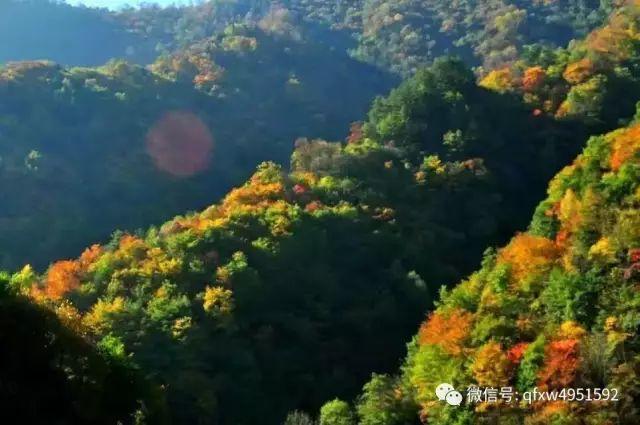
x: 290, y: 299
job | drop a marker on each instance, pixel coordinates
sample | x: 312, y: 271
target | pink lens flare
x: 180, y: 144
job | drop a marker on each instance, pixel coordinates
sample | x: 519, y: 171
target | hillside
x: 73, y: 139
x: 397, y: 36
x: 79, y: 146
x: 555, y: 308
x: 594, y: 79
x: 285, y: 294
x: 51, y: 374
x: 308, y: 281
x: 405, y: 35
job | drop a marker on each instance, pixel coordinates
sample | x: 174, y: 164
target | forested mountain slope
x: 404, y: 35
x: 51, y: 374
x: 275, y: 296
x: 85, y: 151
x: 295, y: 286
x: 594, y: 79
x: 557, y: 307
x: 74, y: 139
x: 398, y: 36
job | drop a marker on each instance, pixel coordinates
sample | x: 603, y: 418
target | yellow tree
x: 492, y: 367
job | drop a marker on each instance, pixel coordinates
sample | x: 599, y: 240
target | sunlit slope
x: 557, y: 307
x: 298, y: 284
x: 398, y: 36
x: 594, y: 79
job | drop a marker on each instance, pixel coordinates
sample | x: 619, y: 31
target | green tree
x: 379, y: 403
x: 336, y: 412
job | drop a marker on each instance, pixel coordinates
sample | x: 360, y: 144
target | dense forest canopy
x: 209, y: 56
x: 51, y: 374
x: 304, y: 238
x: 398, y: 36
x: 76, y: 143
x: 557, y: 307
x: 276, y: 283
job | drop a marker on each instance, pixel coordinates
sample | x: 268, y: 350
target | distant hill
x: 398, y: 36
x: 40, y: 29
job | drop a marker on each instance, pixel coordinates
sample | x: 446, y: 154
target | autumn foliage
x: 492, y: 367
x: 624, y: 145
x: 533, y: 78
x: 243, y: 295
x: 448, y: 330
x: 90, y: 255
x: 500, y: 80
x: 61, y: 279
x: 548, y: 314
x: 527, y: 254
x: 561, y: 364
x: 579, y: 71
x: 515, y: 353
x: 613, y: 41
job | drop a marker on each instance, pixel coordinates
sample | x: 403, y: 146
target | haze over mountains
x: 117, y: 4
